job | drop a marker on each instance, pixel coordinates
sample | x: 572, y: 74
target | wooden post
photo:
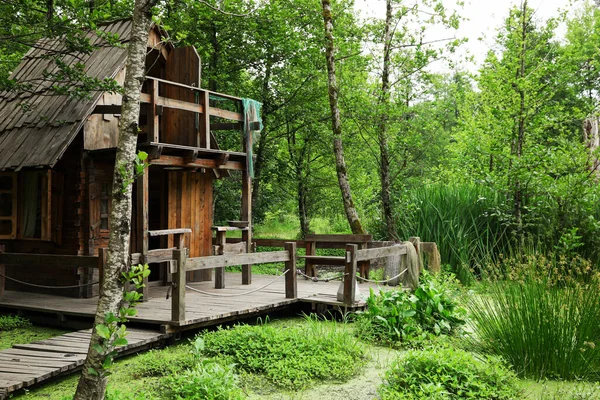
x: 220, y: 272
x: 311, y: 249
x: 291, y: 289
x: 246, y: 214
x: 204, y: 121
x: 142, y: 224
x: 416, y: 241
x: 178, y: 300
x: 102, y: 255
x: 153, y: 125
x: 350, y: 275
x: 364, y: 266
x: 2, y: 271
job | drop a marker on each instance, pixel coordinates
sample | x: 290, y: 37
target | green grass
x: 17, y: 330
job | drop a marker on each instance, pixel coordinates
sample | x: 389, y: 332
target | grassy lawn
x: 15, y: 330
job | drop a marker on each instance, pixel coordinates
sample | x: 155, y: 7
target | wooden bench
x: 312, y: 242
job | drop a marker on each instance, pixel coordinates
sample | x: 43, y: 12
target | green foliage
x: 292, y: 357
x: 162, y: 363
x: 544, y: 320
x: 397, y: 316
x: 113, y: 332
x: 12, y: 322
x: 448, y: 374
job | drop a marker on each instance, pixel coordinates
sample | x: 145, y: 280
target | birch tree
x: 92, y: 383
x: 336, y: 123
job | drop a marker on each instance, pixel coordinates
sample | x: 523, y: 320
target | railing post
x: 142, y: 187
x: 2, y: 272
x: 102, y: 254
x: 178, y: 300
x: 291, y: 288
x: 350, y: 275
x: 220, y: 271
x: 153, y: 125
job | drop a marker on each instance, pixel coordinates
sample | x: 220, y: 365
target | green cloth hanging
x: 251, y: 110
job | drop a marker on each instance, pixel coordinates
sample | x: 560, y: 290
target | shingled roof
x: 36, y: 129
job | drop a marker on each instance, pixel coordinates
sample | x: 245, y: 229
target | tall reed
x: 461, y: 219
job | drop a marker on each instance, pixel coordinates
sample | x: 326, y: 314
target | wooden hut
x: 57, y: 158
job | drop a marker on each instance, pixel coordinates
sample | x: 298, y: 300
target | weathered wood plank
x: 339, y: 238
x: 165, y: 232
x: 236, y: 259
x: 372, y: 254
x: 49, y: 260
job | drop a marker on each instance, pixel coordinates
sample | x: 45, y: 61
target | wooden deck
x: 201, y: 309
x: 28, y: 364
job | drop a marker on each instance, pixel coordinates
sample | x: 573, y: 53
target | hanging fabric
x: 251, y: 109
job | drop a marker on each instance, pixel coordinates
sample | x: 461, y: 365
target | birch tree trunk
x: 338, y: 149
x: 92, y: 385
x: 384, y: 100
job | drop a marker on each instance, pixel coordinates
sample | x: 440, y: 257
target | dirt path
x: 362, y: 387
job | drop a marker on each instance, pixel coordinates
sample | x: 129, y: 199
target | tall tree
x: 336, y: 123
x: 92, y: 384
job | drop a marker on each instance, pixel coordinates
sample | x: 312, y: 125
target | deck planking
x: 25, y: 365
x: 29, y: 364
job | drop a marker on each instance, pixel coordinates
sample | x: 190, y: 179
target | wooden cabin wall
x: 69, y: 207
x: 101, y: 131
x: 190, y: 197
x: 179, y: 126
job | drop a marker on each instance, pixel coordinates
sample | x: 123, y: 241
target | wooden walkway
x: 25, y: 365
x: 29, y: 364
x: 201, y: 309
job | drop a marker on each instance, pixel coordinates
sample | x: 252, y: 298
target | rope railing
x: 316, y: 279
x: 236, y: 294
x: 384, y: 281
x: 35, y: 285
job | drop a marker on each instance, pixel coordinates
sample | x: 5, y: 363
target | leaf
x: 103, y: 331
x: 92, y: 371
x: 120, y: 342
x: 98, y: 348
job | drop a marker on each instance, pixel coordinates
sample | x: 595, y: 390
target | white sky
x: 483, y: 18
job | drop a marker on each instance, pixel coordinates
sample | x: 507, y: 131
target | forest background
x: 487, y: 161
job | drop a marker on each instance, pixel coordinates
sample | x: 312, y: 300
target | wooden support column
x: 246, y: 214
x: 311, y: 250
x: 204, y: 120
x: 153, y: 120
x: 291, y: 287
x: 350, y: 275
x: 2, y: 272
x: 142, y: 197
x: 91, y: 191
x: 363, y: 266
x: 220, y: 271
x: 102, y: 256
x: 178, y: 300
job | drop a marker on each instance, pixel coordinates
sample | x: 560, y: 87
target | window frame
x: 13, y: 218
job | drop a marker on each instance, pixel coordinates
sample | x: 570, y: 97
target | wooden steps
x: 25, y: 365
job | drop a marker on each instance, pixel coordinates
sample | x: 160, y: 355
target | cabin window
x: 31, y: 205
x: 8, y: 205
x: 34, y: 185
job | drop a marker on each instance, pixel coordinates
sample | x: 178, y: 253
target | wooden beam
x: 381, y: 252
x: 178, y: 300
x: 165, y: 232
x: 204, y: 120
x: 197, y: 263
x: 220, y: 271
x: 154, y: 256
x: 153, y: 121
x: 175, y: 161
x: 142, y: 197
x: 350, y: 275
x: 291, y: 288
x: 49, y: 260
x: 190, y: 156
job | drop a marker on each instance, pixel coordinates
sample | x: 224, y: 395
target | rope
x: 315, y: 279
x: 386, y: 281
x: 236, y: 294
x: 46, y: 286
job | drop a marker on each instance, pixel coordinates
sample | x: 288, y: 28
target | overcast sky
x: 484, y: 17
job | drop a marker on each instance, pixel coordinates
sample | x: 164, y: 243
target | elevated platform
x: 213, y: 308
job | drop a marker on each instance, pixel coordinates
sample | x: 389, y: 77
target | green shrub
x: 291, y: 357
x: 163, y: 362
x: 208, y: 380
x: 12, y: 322
x: 541, y: 329
x: 397, y: 316
x: 448, y: 374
